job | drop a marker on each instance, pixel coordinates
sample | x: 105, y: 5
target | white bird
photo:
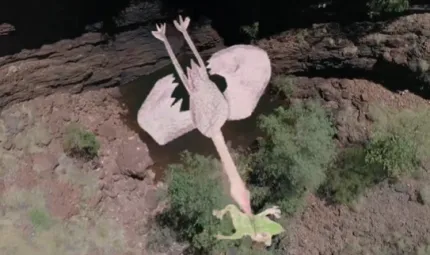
x: 247, y: 71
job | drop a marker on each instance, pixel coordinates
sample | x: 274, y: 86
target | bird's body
x: 209, y: 110
x: 247, y: 71
x: 208, y: 106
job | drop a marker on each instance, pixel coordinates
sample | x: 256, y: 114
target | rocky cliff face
x: 394, y: 53
x: 94, y: 59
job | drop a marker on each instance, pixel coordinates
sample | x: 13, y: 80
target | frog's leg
x: 264, y: 237
x: 236, y: 218
x: 268, y: 241
x: 236, y: 235
x: 275, y: 211
x: 220, y: 213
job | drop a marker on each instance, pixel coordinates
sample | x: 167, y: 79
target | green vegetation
x: 40, y: 219
x: 283, y: 85
x: 297, y: 155
x: 53, y: 235
x: 350, y: 176
x: 194, y: 190
x: 290, y: 162
x: 398, y: 147
x: 81, y: 143
x: 377, y: 7
x: 160, y: 239
x: 405, y: 137
x: 293, y: 159
x: 251, y: 31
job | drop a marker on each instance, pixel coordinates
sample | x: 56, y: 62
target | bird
x: 247, y: 71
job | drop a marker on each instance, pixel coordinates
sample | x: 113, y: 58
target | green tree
x: 195, y: 188
x: 292, y: 160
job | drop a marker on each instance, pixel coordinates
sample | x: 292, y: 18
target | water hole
x: 239, y: 133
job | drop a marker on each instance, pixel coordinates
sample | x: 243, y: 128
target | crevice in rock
x: 392, y: 76
x: 135, y: 176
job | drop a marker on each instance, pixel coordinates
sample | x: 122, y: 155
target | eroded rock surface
x: 133, y: 158
x: 394, y: 52
x: 96, y: 198
x: 400, y: 47
x: 94, y: 59
x: 349, y: 101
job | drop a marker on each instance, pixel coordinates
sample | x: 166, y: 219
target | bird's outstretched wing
x: 247, y: 71
x: 163, y: 121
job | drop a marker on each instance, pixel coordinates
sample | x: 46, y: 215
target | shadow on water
x: 239, y: 133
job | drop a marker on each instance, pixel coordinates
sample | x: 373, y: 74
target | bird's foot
x: 160, y: 34
x: 182, y: 24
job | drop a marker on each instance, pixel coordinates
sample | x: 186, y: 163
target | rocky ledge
x: 94, y: 59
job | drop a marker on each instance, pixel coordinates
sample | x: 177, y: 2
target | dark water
x: 239, y: 133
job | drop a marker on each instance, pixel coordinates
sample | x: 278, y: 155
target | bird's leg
x: 160, y: 34
x: 182, y: 26
x: 238, y: 189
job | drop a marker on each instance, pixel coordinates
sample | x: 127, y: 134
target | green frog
x: 259, y: 227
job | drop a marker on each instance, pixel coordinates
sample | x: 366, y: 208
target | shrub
x: 194, y: 190
x: 400, y: 142
x: 40, y: 219
x: 350, y: 176
x: 377, y: 7
x: 293, y: 158
x: 80, y: 143
x: 283, y: 84
x: 251, y: 31
x: 160, y: 239
x: 398, y: 146
x: 396, y: 154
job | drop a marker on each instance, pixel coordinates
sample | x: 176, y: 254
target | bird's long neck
x: 226, y: 159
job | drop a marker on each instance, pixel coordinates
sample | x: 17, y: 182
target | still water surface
x: 239, y: 133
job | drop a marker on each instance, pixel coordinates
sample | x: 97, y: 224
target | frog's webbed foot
x: 275, y: 211
x: 220, y: 213
x: 265, y: 238
x: 268, y: 241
